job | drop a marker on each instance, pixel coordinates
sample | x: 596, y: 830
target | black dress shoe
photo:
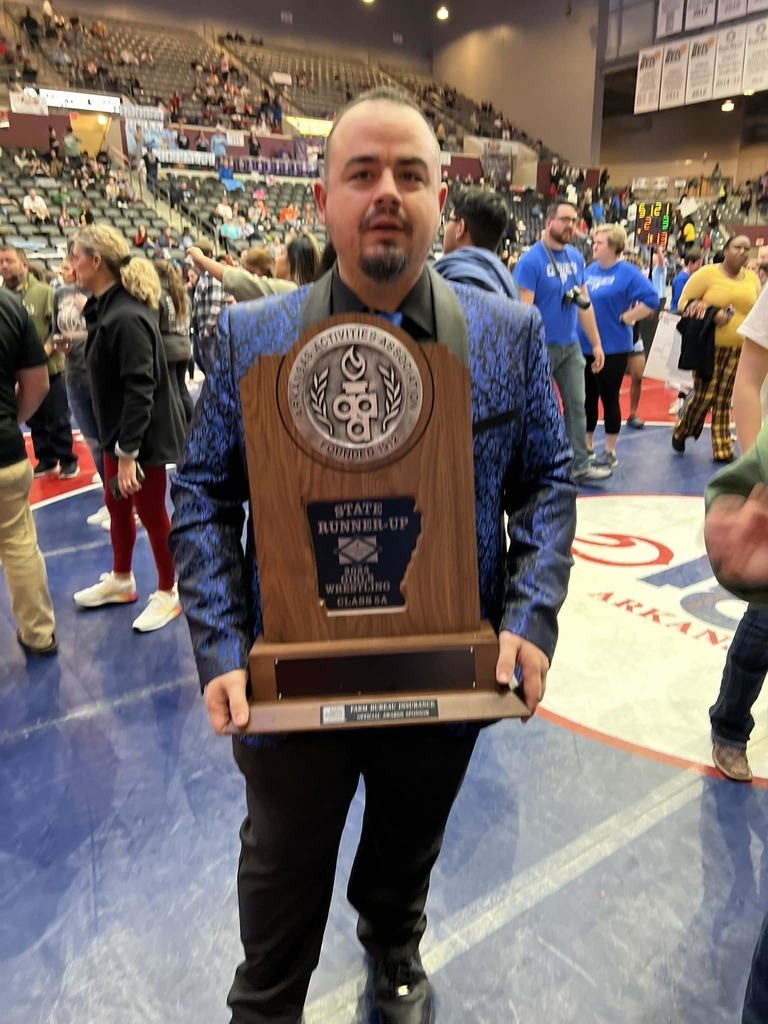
x: 38, y: 652
x: 679, y: 446
x: 402, y: 993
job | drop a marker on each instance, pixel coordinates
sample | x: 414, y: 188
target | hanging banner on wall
x: 753, y: 6
x: 28, y: 102
x: 674, y: 74
x: 756, y: 58
x: 648, y: 80
x: 670, y: 20
x: 699, y: 14
x: 729, y: 63
x: 727, y: 10
x: 701, y: 68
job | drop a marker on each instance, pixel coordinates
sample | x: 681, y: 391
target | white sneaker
x: 109, y: 590
x: 676, y: 406
x: 99, y: 518
x: 161, y: 609
x: 107, y: 524
x: 95, y: 479
x: 593, y: 472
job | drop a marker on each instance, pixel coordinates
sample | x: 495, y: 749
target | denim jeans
x: 756, y: 998
x: 80, y: 403
x: 567, y: 364
x: 745, y: 669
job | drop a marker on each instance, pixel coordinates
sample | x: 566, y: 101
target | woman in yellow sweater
x: 733, y: 289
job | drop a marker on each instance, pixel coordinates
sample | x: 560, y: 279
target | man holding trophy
x: 352, y: 402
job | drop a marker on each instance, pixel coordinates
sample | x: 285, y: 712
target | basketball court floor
x: 595, y: 869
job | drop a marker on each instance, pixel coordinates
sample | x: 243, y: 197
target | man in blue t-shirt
x: 554, y: 298
x: 692, y: 264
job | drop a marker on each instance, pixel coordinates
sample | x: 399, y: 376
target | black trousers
x: 298, y: 794
x: 51, y: 427
x: 605, y: 386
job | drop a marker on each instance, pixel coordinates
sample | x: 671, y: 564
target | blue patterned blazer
x: 522, y: 465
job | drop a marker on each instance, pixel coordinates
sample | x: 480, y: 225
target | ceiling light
x: 727, y: 107
x: 101, y: 119
x: 442, y: 13
x: 367, y: 1
x: 749, y: 92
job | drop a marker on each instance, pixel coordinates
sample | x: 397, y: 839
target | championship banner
x: 674, y: 75
x: 189, y: 157
x: 699, y: 14
x: 649, y: 63
x: 701, y: 68
x: 754, y: 6
x: 670, y: 20
x: 729, y: 63
x: 727, y: 10
x: 756, y: 59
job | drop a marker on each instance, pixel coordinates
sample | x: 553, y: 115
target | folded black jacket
x: 697, y: 350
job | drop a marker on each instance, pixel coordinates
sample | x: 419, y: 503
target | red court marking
x: 47, y: 487
x: 646, y: 752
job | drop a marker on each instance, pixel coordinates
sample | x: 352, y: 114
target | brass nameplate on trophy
x: 359, y: 449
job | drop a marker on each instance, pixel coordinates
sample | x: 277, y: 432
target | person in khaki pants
x: 23, y: 386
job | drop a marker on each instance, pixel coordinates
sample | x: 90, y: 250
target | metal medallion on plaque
x: 355, y: 394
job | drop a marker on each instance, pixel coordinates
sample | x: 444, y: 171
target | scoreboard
x: 653, y: 223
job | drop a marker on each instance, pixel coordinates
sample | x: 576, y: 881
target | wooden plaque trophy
x: 359, y: 449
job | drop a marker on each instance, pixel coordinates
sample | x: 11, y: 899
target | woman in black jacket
x: 140, y: 420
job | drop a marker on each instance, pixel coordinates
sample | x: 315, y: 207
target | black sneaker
x: 679, y: 446
x: 38, y: 652
x: 44, y: 469
x: 69, y: 472
x: 402, y: 993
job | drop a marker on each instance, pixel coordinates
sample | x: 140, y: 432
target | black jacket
x: 133, y: 400
x: 697, y: 349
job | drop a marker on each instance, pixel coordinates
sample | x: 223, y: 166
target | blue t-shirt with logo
x: 612, y: 292
x: 535, y: 273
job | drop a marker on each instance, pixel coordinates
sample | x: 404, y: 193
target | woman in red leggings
x: 140, y: 419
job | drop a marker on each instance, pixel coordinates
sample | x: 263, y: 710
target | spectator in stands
x: 551, y: 276
x: 174, y: 328
x: 140, y: 420
x: 86, y: 217
x: 762, y: 273
x: 50, y: 426
x: 35, y: 208
x: 23, y: 387
x: 473, y: 230
x: 186, y: 239
x: 32, y: 28
x: 65, y: 218
x: 141, y: 238
x: 621, y: 295
x: 146, y: 59
x: 223, y: 210
x: 72, y: 147
x: 690, y: 266
x: 207, y: 304
x: 733, y: 290
x: 128, y: 58
x: 202, y: 143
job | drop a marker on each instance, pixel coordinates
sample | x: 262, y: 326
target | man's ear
x: 319, y: 192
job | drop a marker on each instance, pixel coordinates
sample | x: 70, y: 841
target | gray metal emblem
x: 355, y: 393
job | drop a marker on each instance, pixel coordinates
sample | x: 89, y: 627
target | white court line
x: 477, y: 922
x: 92, y: 710
x: 73, y: 549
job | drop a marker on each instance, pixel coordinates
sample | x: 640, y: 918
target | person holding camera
x: 139, y: 417
x: 621, y: 295
x: 551, y: 277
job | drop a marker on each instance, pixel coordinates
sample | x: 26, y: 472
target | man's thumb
x: 238, y: 707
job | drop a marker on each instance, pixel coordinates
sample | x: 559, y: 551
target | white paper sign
x: 28, y: 103
x: 649, y: 64
x: 701, y: 68
x: 756, y: 59
x: 665, y: 353
x: 729, y: 63
x: 674, y: 74
x: 727, y: 10
x: 670, y: 20
x: 699, y: 14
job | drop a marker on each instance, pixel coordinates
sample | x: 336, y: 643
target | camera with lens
x: 574, y: 295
